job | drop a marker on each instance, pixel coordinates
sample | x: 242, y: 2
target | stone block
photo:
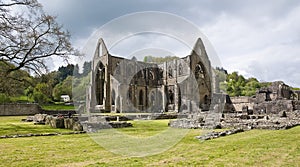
x: 68, y: 123
x: 77, y: 126
x: 57, y: 123
x: 39, y: 118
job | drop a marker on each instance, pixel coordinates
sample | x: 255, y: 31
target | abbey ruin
x: 121, y: 85
x: 187, y: 87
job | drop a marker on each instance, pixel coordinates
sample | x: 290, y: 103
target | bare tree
x: 28, y: 35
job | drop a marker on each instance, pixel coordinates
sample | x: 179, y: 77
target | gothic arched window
x: 180, y: 69
x: 151, y: 76
x: 199, y: 72
x: 170, y: 72
x: 141, y: 97
x: 171, y: 97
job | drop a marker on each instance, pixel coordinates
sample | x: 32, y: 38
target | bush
x: 4, y: 98
x: 41, y: 98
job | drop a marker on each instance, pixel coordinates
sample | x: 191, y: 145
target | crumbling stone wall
x: 240, y: 103
x: 273, y: 107
x: 296, y: 104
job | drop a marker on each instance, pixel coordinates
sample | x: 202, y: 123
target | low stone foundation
x: 150, y: 116
x: 60, y: 122
x: 95, y: 126
x: 213, y: 135
x: 40, y: 134
x: 55, y: 122
x: 282, y: 120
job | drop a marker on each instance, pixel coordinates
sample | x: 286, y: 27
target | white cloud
x: 266, y: 48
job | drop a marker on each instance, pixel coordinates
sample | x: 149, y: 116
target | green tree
x: 65, y: 71
x: 44, y: 89
x: 4, y: 98
x: 29, y: 92
x: 62, y: 88
x: 237, y: 85
x: 42, y: 93
x: 86, y: 68
x: 48, y: 81
x: 14, y: 83
x: 76, y: 71
x: 40, y: 98
x: 251, y: 86
x: 79, y: 88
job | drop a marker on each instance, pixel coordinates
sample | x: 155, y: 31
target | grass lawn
x: 12, y: 125
x: 58, y: 107
x: 251, y: 148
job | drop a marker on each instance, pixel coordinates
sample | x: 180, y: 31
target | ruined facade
x: 185, y: 86
x: 273, y: 107
x: 123, y: 85
x: 268, y: 100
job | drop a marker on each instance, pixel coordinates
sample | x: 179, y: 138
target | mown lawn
x: 57, y: 107
x: 251, y: 148
x: 12, y: 125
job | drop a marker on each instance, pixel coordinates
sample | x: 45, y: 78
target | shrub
x: 4, y: 98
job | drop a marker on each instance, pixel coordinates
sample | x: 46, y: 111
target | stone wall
x: 19, y: 109
x: 240, y: 102
x: 274, y: 107
x: 296, y: 105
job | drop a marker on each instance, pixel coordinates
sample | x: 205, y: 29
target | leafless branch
x: 25, y: 40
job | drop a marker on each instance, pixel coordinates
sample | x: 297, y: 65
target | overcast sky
x: 256, y: 38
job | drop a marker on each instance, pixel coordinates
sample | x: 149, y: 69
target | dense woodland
x: 45, y: 88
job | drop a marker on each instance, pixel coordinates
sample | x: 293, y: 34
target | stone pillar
x: 176, y: 100
x: 164, y: 100
x: 121, y: 104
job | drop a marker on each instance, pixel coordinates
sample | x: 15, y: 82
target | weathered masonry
x: 124, y: 85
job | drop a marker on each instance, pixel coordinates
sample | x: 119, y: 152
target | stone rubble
x: 274, y: 107
x: 213, y: 135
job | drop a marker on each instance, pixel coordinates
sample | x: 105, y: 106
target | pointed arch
x: 100, y: 80
x: 199, y: 71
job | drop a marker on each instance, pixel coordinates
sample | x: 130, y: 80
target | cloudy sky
x: 256, y: 38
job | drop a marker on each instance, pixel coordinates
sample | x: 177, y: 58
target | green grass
x: 21, y: 99
x: 58, y: 107
x: 12, y: 125
x: 251, y: 148
x: 145, y: 128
